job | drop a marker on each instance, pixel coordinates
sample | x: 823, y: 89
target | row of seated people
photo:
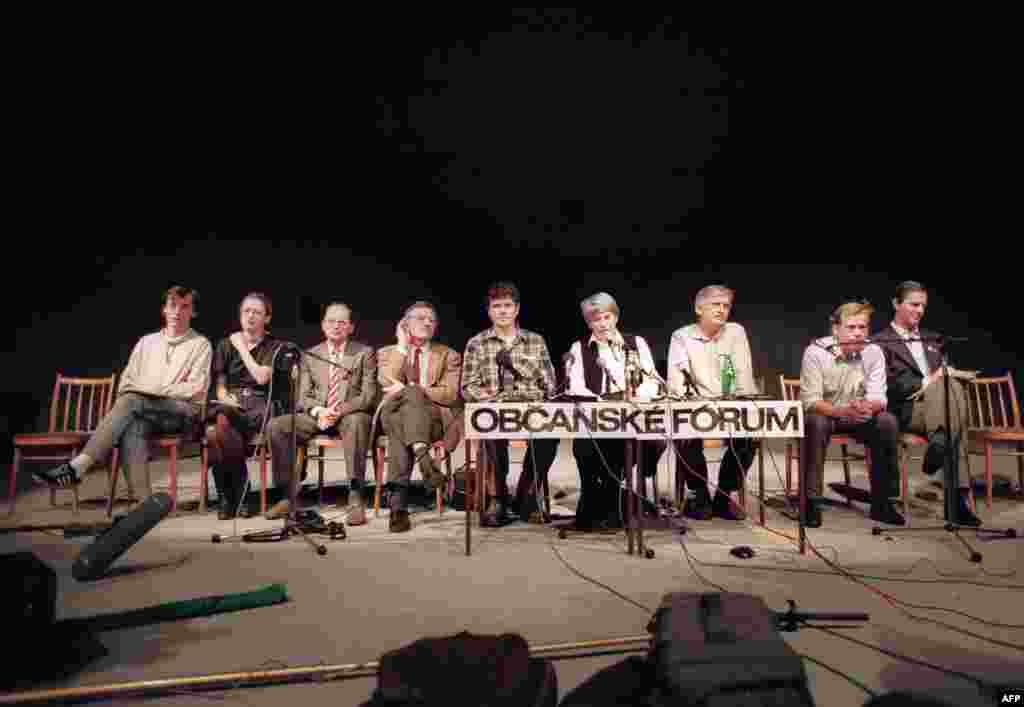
x: 417, y: 388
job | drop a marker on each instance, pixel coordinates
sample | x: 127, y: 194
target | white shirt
x: 615, y: 362
x: 692, y: 350
x: 826, y: 375
x: 916, y: 347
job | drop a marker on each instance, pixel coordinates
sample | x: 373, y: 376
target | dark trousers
x: 227, y: 434
x: 692, y: 466
x: 600, y: 463
x: 540, y: 454
x: 881, y: 436
x: 353, y: 429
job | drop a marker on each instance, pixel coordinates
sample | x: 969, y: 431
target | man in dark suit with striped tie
x: 336, y: 398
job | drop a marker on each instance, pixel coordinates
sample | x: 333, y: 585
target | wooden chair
x: 321, y: 443
x: 791, y: 391
x: 995, y: 423
x: 76, y: 408
x: 174, y: 444
x: 380, y: 456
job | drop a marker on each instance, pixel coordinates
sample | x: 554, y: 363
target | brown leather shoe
x: 278, y: 510
x: 399, y: 522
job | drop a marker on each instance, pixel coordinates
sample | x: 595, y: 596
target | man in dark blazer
x: 917, y: 393
x: 334, y: 400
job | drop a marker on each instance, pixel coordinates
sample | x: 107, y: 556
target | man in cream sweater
x: 161, y: 391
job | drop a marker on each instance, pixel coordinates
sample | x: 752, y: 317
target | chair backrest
x: 78, y: 404
x: 992, y: 403
x: 790, y: 387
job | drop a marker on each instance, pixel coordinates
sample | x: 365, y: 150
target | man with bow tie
x: 337, y: 398
x: 843, y: 389
x: 916, y: 391
x: 420, y: 380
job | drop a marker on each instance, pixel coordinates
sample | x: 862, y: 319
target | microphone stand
x: 292, y: 524
x: 950, y: 482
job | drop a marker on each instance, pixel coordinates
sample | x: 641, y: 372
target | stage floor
x: 375, y: 591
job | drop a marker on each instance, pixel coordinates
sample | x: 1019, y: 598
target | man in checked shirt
x: 506, y: 362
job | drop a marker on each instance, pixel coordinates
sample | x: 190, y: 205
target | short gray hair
x: 422, y: 304
x: 711, y: 291
x: 602, y: 302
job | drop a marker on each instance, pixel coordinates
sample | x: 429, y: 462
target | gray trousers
x: 929, y: 414
x: 408, y: 417
x: 354, y: 430
x: 131, y: 422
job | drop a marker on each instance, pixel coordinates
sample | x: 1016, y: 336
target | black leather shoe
x: 813, y: 519
x: 724, y: 508
x: 884, y: 512
x: 399, y: 522
x: 699, y: 508
x: 63, y: 476
x: 496, y: 516
x: 964, y: 515
x: 225, y: 514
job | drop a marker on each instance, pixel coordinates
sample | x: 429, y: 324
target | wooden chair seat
x: 76, y: 408
x: 997, y: 435
x: 51, y: 439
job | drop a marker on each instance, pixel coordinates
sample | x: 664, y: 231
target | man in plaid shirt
x: 508, y: 363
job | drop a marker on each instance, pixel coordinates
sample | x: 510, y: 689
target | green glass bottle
x: 728, y: 375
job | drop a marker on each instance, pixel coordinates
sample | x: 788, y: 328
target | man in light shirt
x: 420, y: 380
x: 337, y: 399
x: 161, y: 391
x: 843, y: 389
x: 917, y: 393
x: 698, y: 356
x: 598, y: 369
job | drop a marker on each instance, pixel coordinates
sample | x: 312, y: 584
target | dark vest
x: 593, y: 376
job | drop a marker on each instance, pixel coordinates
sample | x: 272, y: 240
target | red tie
x: 416, y: 366
x: 332, y: 390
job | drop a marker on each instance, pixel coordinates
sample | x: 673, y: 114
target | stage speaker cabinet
x: 724, y: 650
x: 28, y: 594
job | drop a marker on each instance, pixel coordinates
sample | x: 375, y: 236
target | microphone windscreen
x: 93, y: 562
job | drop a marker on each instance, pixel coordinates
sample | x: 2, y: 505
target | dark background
x: 424, y: 156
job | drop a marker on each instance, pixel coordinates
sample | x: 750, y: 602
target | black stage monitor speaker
x: 724, y: 650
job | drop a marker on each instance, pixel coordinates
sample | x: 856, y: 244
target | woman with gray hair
x: 597, y: 369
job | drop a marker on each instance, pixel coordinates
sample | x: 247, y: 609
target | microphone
x: 691, y: 383
x: 609, y: 379
x: 567, y: 360
x: 93, y: 562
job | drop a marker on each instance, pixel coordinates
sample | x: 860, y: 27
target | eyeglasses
x: 423, y: 318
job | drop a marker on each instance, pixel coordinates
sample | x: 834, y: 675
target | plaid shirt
x: 530, y: 360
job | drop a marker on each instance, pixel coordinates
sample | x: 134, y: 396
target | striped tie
x: 332, y: 390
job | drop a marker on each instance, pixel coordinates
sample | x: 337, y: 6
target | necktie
x: 332, y: 390
x: 416, y: 366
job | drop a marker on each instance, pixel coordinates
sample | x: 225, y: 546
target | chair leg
x: 378, y: 474
x: 114, y: 460
x: 174, y: 478
x: 320, y: 481
x: 12, y: 486
x: 263, y: 479
x: 904, y: 483
x: 1020, y: 468
x: 988, y: 475
x: 204, y: 471
x: 846, y: 471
